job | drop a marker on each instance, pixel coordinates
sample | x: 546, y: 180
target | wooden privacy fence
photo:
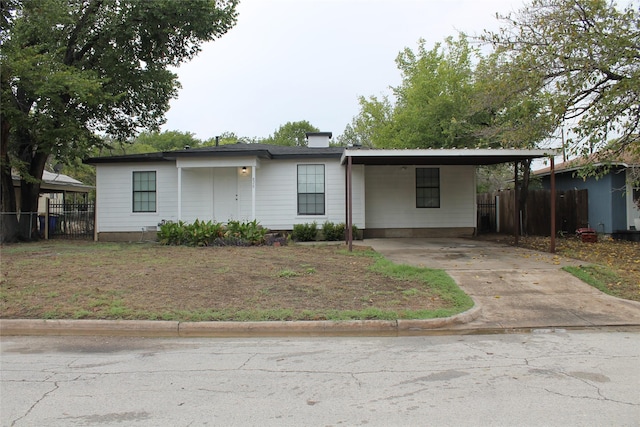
x: 572, y: 211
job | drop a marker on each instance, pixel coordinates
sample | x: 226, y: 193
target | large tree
x: 431, y: 108
x: 372, y: 126
x: 433, y: 102
x: 74, y: 69
x: 582, y: 59
x: 518, y: 118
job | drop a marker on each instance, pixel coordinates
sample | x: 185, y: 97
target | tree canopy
x: 431, y: 108
x: 582, y: 58
x: 555, y: 64
x: 75, y: 69
x: 291, y: 134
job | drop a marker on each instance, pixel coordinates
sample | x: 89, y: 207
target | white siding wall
x: 276, y: 195
x: 391, y: 198
x: 114, y: 188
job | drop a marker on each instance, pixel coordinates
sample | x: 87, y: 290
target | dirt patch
x: 88, y: 280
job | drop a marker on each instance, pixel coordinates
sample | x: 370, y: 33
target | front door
x: 225, y: 194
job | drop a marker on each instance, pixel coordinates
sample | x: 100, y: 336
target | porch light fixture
x: 244, y: 170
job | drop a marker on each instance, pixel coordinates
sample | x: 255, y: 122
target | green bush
x: 333, y: 232
x: 330, y: 232
x: 209, y: 233
x: 305, y: 232
x: 354, y: 231
x: 250, y: 231
x: 172, y: 233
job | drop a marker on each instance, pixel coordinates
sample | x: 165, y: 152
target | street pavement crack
x: 356, y: 379
x: 557, y: 393
x: 247, y: 361
x: 56, y: 386
x: 595, y: 387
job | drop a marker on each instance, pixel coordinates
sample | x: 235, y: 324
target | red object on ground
x: 587, y: 235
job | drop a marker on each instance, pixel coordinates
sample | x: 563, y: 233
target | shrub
x: 333, y: 232
x: 354, y: 231
x: 305, y: 232
x: 172, y: 233
x: 209, y: 233
x: 250, y: 231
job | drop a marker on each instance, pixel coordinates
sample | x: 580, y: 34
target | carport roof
x: 487, y: 156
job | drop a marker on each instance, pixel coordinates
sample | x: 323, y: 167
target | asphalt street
x: 549, y: 377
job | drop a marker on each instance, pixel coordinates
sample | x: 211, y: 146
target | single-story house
x: 57, y: 187
x: 414, y: 192
x: 612, y: 202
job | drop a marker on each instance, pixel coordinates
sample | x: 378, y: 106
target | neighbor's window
x: 144, y: 191
x: 310, y: 189
x: 427, y: 187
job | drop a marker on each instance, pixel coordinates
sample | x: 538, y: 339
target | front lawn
x: 86, y: 280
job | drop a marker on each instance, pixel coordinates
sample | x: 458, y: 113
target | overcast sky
x: 291, y: 60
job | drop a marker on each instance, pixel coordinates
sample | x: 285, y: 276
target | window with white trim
x: 144, y: 191
x: 311, y: 190
x: 427, y: 187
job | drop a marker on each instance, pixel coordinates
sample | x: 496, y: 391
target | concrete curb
x: 142, y: 328
x: 160, y: 328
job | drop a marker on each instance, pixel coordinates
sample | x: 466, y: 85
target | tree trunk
x: 8, y: 208
x: 29, y: 196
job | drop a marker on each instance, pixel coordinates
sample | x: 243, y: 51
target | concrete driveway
x: 515, y: 287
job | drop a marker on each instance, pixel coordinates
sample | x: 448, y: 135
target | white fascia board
x: 454, y: 152
x: 224, y: 162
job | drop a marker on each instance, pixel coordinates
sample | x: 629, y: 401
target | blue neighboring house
x: 612, y: 205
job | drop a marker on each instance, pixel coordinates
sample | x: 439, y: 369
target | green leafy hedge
x: 305, y: 232
x: 333, y: 232
x: 330, y: 231
x: 209, y: 233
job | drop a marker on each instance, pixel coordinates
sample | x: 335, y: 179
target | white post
x: 253, y: 193
x: 179, y: 194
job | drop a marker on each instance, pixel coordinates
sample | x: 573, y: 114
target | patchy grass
x: 613, y: 266
x: 600, y: 277
x: 86, y: 280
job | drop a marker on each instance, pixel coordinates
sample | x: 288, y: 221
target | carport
x: 434, y: 157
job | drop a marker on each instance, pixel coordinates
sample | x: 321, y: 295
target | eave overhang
x: 476, y: 157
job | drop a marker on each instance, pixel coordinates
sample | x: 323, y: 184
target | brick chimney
x: 318, y: 139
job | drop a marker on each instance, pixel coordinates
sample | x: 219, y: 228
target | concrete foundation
x: 128, y: 236
x: 379, y: 233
